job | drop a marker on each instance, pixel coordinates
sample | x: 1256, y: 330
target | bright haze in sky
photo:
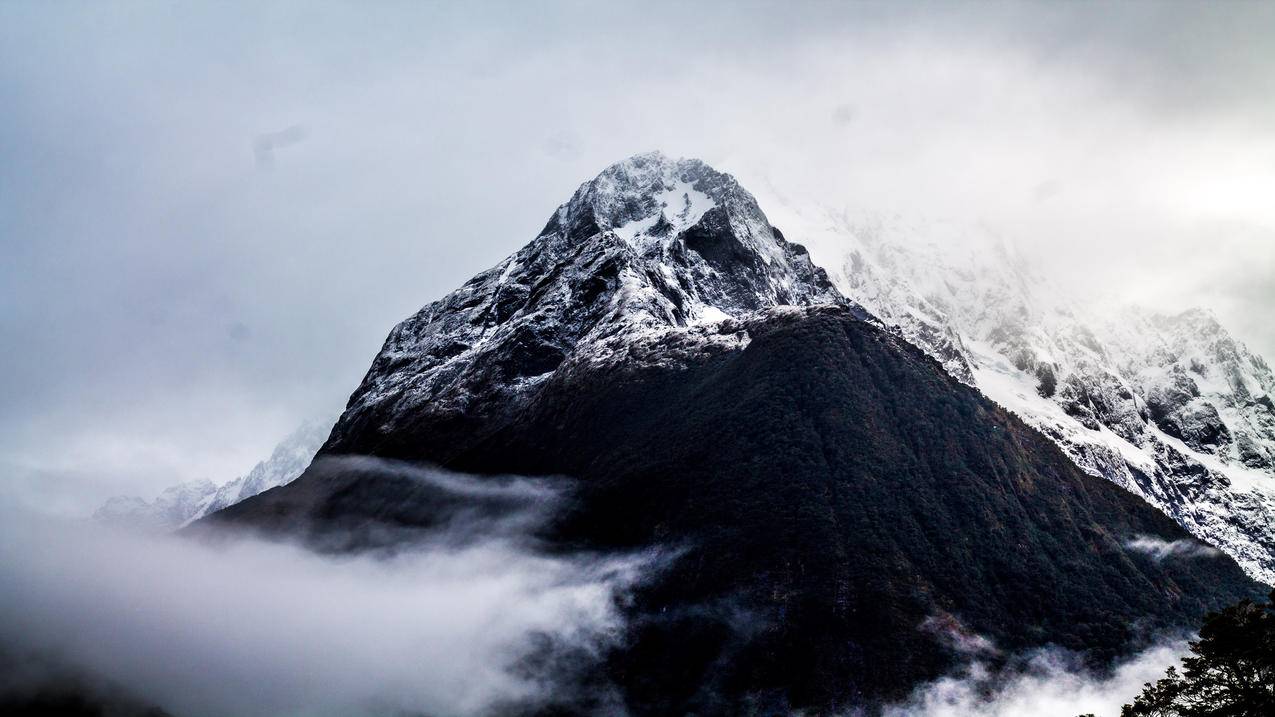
x: 211, y: 216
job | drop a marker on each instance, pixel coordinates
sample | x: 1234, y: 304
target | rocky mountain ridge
x: 1169, y: 406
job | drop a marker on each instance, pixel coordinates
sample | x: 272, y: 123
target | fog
x: 212, y: 215
x: 253, y: 627
x: 462, y: 621
x: 1046, y: 683
x: 457, y: 619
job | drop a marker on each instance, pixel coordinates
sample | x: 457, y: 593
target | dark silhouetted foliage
x: 1230, y: 673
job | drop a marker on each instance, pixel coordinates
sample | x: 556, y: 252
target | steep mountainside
x: 184, y: 503
x: 825, y: 493
x: 1168, y: 406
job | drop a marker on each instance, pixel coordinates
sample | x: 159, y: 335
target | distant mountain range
x: 834, y: 504
x: 179, y: 505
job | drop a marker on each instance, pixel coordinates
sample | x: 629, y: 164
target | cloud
x: 1045, y: 683
x: 1160, y: 549
x: 455, y: 625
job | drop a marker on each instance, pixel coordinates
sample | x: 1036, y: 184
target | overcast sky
x: 210, y: 216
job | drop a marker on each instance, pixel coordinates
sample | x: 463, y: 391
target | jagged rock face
x: 1168, y: 406
x: 1201, y: 385
x: 650, y: 245
x: 823, y: 489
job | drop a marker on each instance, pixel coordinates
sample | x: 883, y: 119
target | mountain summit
x: 648, y: 247
x: 842, y: 517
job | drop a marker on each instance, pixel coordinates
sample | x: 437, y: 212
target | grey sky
x: 173, y: 303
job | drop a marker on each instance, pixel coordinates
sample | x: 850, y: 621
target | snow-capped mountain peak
x: 697, y: 386
x: 652, y: 198
x: 632, y: 196
x: 650, y: 245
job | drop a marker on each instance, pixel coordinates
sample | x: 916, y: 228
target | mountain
x: 1169, y: 406
x: 646, y: 248
x: 176, y: 506
x: 834, y: 508
x: 181, y: 504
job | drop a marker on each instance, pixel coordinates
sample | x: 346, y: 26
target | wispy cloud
x: 1046, y: 683
x: 1160, y: 549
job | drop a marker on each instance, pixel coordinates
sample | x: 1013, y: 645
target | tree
x: 1230, y: 672
x: 1159, y: 699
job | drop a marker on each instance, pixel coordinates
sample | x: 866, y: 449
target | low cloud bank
x: 1047, y: 683
x: 249, y: 627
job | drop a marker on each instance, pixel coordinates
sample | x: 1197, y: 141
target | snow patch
x: 681, y: 206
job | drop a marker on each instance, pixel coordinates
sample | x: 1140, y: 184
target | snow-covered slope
x: 1169, y: 406
x: 181, y: 504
